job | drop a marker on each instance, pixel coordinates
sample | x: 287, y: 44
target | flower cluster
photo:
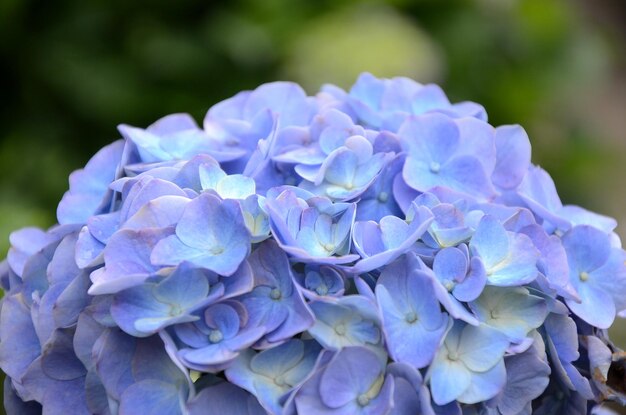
x: 372, y: 251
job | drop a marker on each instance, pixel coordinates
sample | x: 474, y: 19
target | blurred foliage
x: 74, y: 69
x: 378, y: 39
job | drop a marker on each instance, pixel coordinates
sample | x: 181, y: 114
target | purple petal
x: 512, y: 155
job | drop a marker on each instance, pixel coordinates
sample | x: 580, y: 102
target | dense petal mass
x: 175, y: 137
x: 315, y: 230
x: 455, y: 279
x: 381, y: 243
x: 371, y: 251
x: 384, y: 103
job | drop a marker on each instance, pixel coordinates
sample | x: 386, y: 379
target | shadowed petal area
x: 19, y: 344
x: 275, y: 303
x: 224, y: 398
x: 352, y: 381
x: 527, y: 377
x: 145, y: 309
x: 271, y: 373
x: 151, y: 397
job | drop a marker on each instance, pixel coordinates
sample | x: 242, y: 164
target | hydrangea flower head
x: 376, y: 251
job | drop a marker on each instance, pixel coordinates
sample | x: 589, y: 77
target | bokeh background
x: 74, y: 69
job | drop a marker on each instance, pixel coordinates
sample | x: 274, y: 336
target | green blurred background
x: 74, y: 69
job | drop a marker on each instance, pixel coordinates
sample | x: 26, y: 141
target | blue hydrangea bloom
x: 412, y: 321
x: 597, y: 273
x: 381, y: 243
x: 512, y: 157
x: 127, y: 260
x: 156, y: 383
x: 145, y: 309
x: 211, y: 234
x: 601, y: 356
x: 162, y: 140
x: 146, y: 202
x: 457, y: 279
x: 560, y: 333
x: 527, y: 377
x: 350, y: 321
x: 377, y: 251
x: 218, y: 337
x: 378, y: 200
x: 312, y: 230
x: 513, y: 311
x: 319, y: 281
x: 352, y: 382
x: 459, y: 155
x: 240, y: 122
x: 538, y: 192
x: 509, y: 258
x: 25, y: 243
x: 448, y: 228
x: 256, y: 218
x: 410, y: 394
x: 384, y: 103
x: 273, y: 373
x: 552, y: 264
x: 20, y: 345
x: 275, y: 303
x: 346, y: 172
x: 309, y: 146
x: 234, y: 186
x: 469, y: 367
